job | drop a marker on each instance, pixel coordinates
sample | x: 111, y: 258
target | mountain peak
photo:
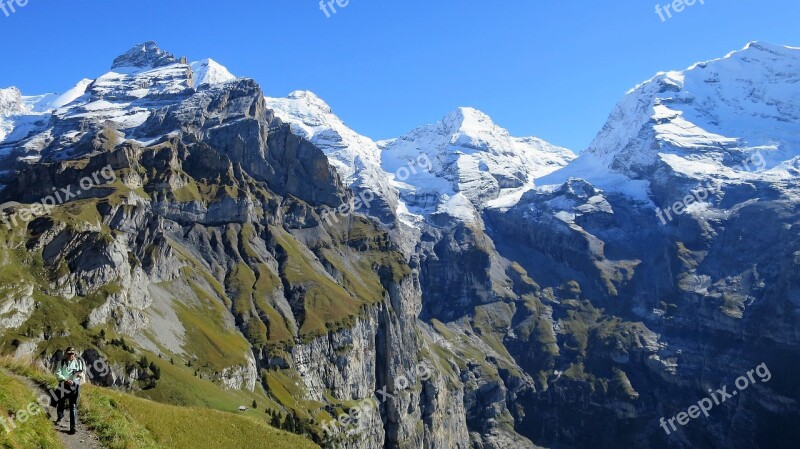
x: 208, y: 71
x: 311, y: 99
x: 144, y: 55
x: 769, y: 47
x: 466, y: 119
x: 709, y: 115
x: 10, y: 100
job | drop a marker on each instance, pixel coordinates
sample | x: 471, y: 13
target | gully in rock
x: 353, y: 420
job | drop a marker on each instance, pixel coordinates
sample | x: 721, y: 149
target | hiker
x: 70, y: 374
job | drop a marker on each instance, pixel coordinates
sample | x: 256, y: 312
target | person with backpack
x: 70, y: 372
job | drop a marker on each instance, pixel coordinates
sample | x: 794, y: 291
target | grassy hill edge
x: 32, y: 431
x: 122, y: 421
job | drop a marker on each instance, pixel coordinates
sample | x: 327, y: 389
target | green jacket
x: 66, y: 370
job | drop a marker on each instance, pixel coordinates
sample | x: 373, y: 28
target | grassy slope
x: 179, y: 387
x: 156, y: 425
x: 122, y: 421
x: 35, y: 432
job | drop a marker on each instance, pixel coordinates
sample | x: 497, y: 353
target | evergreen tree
x: 288, y: 423
x: 156, y: 371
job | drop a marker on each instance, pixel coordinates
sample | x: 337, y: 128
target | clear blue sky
x: 553, y: 69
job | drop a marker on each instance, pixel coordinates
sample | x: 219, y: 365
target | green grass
x: 215, y: 346
x: 539, y: 326
x: 122, y: 421
x: 186, y: 427
x: 114, y: 426
x: 179, y: 386
x: 208, y: 335
x: 36, y: 431
x: 361, y: 259
x: 463, y: 351
x: 277, y: 329
x: 621, y: 385
x: 287, y: 390
x: 492, y: 320
x: 327, y: 305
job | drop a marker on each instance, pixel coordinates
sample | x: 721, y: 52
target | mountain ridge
x: 551, y: 304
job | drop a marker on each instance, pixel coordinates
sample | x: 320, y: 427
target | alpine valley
x: 551, y: 305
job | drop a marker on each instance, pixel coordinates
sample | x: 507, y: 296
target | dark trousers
x: 68, y: 393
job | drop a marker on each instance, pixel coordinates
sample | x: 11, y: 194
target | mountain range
x: 557, y: 300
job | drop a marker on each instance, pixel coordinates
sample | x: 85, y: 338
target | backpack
x: 82, y: 368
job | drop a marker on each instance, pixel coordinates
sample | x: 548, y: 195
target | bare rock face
x: 146, y: 55
x: 16, y: 308
x: 243, y: 377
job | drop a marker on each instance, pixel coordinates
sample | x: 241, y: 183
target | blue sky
x: 552, y: 69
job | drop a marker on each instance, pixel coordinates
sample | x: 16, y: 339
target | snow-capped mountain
x: 138, y: 82
x: 472, y: 163
x: 220, y: 212
x: 19, y: 114
x: 208, y: 71
x: 10, y: 105
x: 311, y: 117
x: 712, y: 113
x: 456, y: 165
x: 734, y: 118
x: 355, y: 157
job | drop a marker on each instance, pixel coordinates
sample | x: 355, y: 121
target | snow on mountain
x: 127, y: 95
x: 49, y: 102
x: 473, y: 163
x: 716, y: 119
x: 356, y: 158
x: 140, y: 81
x: 18, y: 113
x: 11, y: 104
x: 312, y: 118
x: 208, y: 71
x: 455, y: 166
